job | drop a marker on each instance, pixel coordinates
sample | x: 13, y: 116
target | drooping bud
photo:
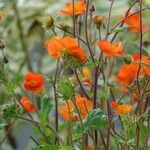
x: 2, y: 46
x: 92, y: 9
x: 98, y: 20
x: 48, y: 22
x: 5, y: 60
x: 127, y: 60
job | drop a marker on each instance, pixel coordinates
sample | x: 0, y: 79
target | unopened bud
x: 5, y: 60
x: 127, y: 60
x: 98, y: 20
x: 92, y: 9
x: 2, y: 46
x: 48, y: 22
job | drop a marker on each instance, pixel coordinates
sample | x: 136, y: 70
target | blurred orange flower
x: 87, y: 76
x: 146, y: 63
x: 68, y: 110
x: 134, y: 23
x: 79, y: 8
x: 121, y: 109
x: 56, y: 45
x: 111, y: 49
x: 90, y: 148
x: 2, y: 15
x: 26, y: 103
x: 127, y: 73
x: 33, y: 82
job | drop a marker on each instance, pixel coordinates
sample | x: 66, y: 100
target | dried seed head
x: 48, y: 22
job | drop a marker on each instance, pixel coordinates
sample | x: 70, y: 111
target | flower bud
x: 5, y: 60
x: 48, y: 22
x: 127, y: 60
x: 98, y: 20
x: 2, y: 46
x: 92, y: 9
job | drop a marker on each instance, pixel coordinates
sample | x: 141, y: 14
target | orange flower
x: 90, y: 148
x: 127, y: 74
x: 121, y: 109
x: 56, y: 45
x: 33, y: 82
x: 146, y: 63
x: 79, y: 8
x: 134, y: 23
x: 86, y: 72
x: 111, y: 49
x: 28, y: 106
x: 68, y: 111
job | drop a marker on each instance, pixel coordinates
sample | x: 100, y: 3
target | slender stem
x: 73, y: 19
x: 138, y: 84
x: 86, y: 29
x: 109, y: 16
x: 103, y: 140
x: 8, y: 131
x: 21, y: 35
x: 56, y: 99
x: 72, y: 34
x: 38, y: 123
x: 87, y: 96
x: 123, y: 21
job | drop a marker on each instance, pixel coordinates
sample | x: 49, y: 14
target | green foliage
x: 92, y: 64
x: 46, y: 106
x: 104, y: 94
x: 7, y: 113
x: 66, y: 89
x: 96, y: 120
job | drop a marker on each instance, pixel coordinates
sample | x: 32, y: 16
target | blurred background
x: 23, y: 35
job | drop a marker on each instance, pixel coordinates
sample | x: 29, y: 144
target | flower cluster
x: 57, y: 45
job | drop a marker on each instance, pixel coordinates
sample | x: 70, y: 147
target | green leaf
x: 104, y: 95
x: 66, y: 90
x: 46, y: 106
x: 97, y: 119
x: 8, y: 111
x: 92, y: 64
